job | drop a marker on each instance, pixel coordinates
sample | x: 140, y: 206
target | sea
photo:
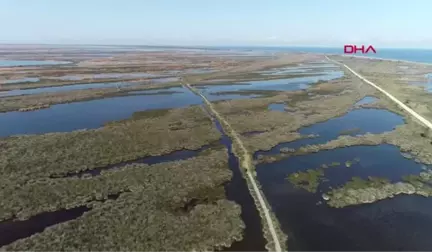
x: 417, y: 55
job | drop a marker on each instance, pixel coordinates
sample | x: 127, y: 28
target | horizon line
x: 203, y: 46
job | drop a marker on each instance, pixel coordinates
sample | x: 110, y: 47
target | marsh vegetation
x: 29, y: 157
x: 148, y: 215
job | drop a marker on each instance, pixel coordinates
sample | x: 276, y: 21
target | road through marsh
x: 246, y: 163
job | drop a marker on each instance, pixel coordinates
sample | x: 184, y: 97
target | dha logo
x: 353, y: 49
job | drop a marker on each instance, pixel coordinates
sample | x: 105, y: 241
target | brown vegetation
x: 152, y: 216
x: 23, y: 102
x: 390, y: 76
x: 33, y: 156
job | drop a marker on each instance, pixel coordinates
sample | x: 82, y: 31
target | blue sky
x: 384, y: 23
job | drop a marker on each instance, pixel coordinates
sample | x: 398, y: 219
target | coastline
x: 378, y: 58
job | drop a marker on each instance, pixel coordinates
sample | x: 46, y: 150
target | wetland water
x: 291, y: 84
x: 90, y: 114
x: 23, y: 80
x: 106, y: 76
x: 65, y: 88
x: 150, y: 160
x: 237, y: 191
x: 312, y: 225
x: 11, y: 231
x: 427, y: 85
x: 366, y: 100
x: 14, y: 63
x: 300, y: 69
x: 355, y: 122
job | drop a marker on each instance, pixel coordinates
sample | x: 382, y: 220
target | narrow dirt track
x: 246, y: 163
x: 423, y: 120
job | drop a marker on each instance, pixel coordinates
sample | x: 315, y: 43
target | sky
x: 326, y: 23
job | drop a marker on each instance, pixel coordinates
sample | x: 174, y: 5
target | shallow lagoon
x: 89, y: 114
x: 64, y: 88
x: 366, y: 100
x: 23, y: 80
x: 14, y: 63
x: 403, y: 222
x: 300, y: 69
x: 312, y: 225
x: 83, y: 86
x: 106, y: 76
x: 426, y: 84
x: 290, y: 84
x: 355, y: 122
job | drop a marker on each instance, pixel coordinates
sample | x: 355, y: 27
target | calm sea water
x: 419, y: 55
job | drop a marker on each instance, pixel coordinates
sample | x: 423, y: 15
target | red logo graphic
x: 353, y: 49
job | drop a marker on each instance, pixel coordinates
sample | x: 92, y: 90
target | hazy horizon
x: 207, y: 46
x: 276, y: 23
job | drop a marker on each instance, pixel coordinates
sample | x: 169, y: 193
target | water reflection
x: 277, y: 107
x: 81, y: 87
x: 267, y: 85
x: 355, y: 122
x: 427, y: 85
x: 106, y: 76
x: 366, y: 100
x: 88, y: 114
x: 65, y: 88
x: 22, y: 80
x: 301, y: 69
x: 379, y: 226
x: 14, y: 63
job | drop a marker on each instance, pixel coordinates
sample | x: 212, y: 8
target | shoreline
x: 377, y: 58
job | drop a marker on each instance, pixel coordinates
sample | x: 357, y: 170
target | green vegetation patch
x: 361, y: 191
x: 308, y: 180
x: 359, y: 183
x: 311, y: 178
